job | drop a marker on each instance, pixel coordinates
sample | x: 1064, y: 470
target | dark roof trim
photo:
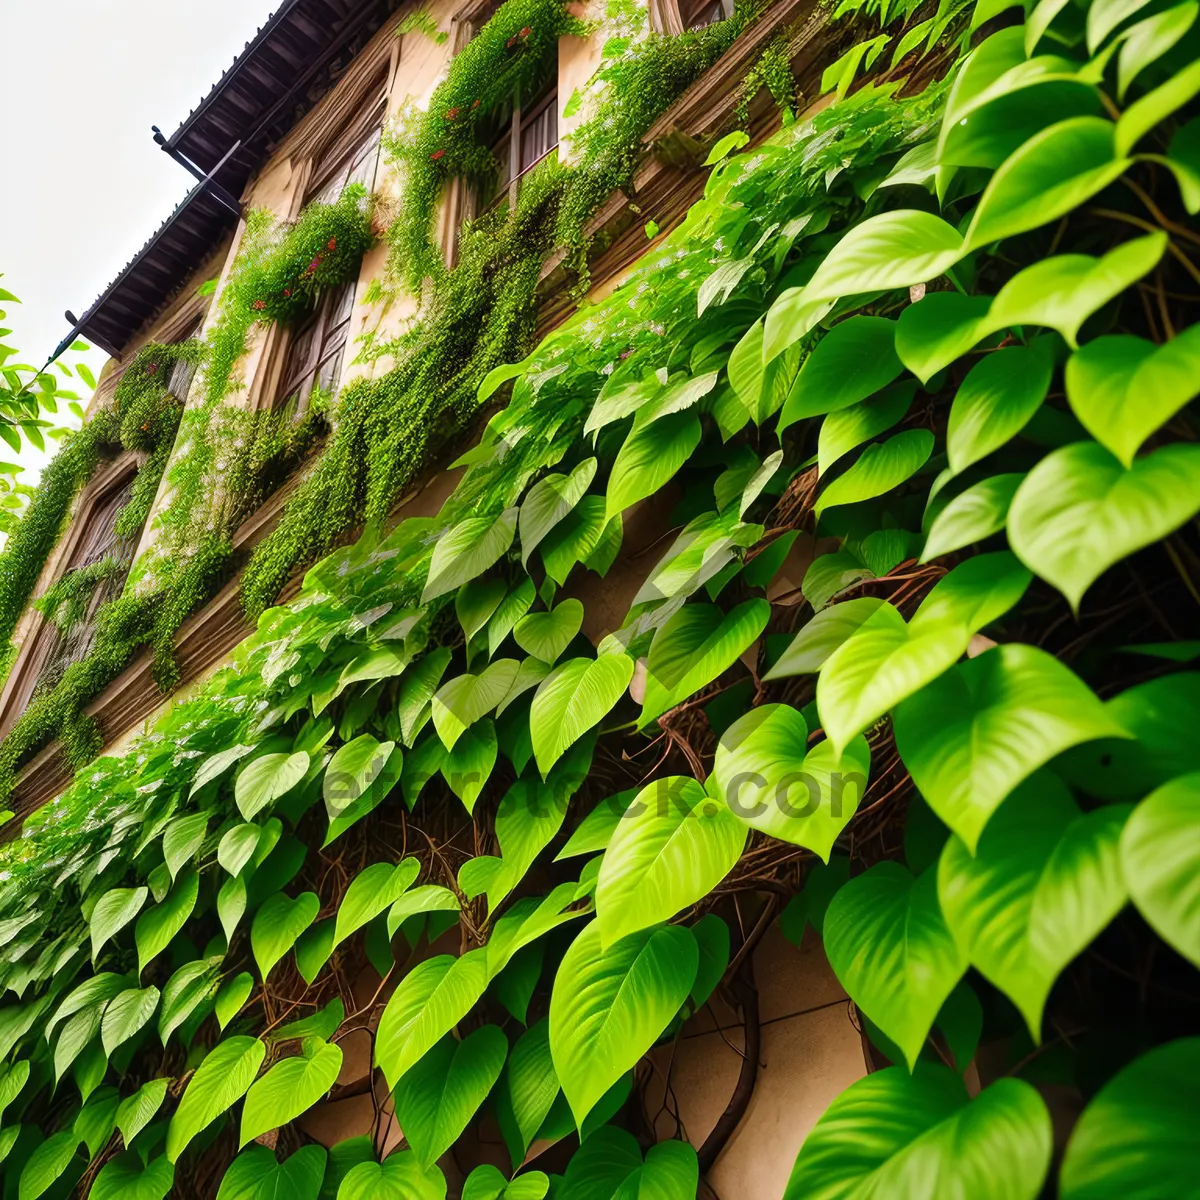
x: 284, y: 70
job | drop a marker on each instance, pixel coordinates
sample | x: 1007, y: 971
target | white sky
x: 85, y: 185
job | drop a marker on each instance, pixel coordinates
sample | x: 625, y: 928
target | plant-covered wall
x: 939, y: 347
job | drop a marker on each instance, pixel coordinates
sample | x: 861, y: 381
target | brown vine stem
x: 1150, y: 227
x: 1157, y: 213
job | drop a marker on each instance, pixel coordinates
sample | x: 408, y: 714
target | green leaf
x: 712, y: 940
x: 1147, y: 41
x: 1079, y: 511
x: 938, y: 330
x: 571, y: 699
x: 609, y: 1006
x: 216, y: 765
x: 649, y: 459
x: 127, y: 1014
x: 892, y: 1132
x: 256, y: 1174
x: 1063, y: 291
x: 278, y: 924
x: 972, y: 516
x: 418, y: 686
x: 182, y: 839
x: 693, y: 648
x: 854, y: 360
x: 372, y: 890
x: 511, y: 609
x: 1123, y: 389
x: 400, y: 1177
x: 185, y: 993
x: 322, y: 1024
x: 426, y: 899
x: 972, y: 735
x: 114, y: 910
x: 47, y: 1163
x: 546, y: 635
x: 487, y: 1183
x: 12, y: 1079
x: 886, y: 660
x: 1045, y: 879
x: 890, y: 250
x: 549, y: 501
x: 821, y: 636
x: 466, y: 699
x: 220, y: 1081
x: 156, y: 927
x: 527, y: 1089
x: 469, y: 766
x: 1137, y: 1136
x: 881, y: 467
x: 438, y: 1098
x: 475, y: 602
x: 996, y: 400
x: 770, y: 779
x: 1160, y: 859
x: 352, y: 770
x: 237, y: 847
x: 138, y: 1110
x: 892, y: 951
x: 290, y: 1088
x: 467, y: 550
x: 233, y: 995
x: 847, y: 429
x: 266, y: 779
x: 1054, y: 172
x: 726, y: 146
x: 430, y: 1000
x: 1147, y: 111
x: 125, y: 1178
x: 674, y: 846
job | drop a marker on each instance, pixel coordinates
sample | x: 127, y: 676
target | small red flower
x: 312, y: 266
x: 287, y: 291
x: 525, y: 32
x: 475, y: 106
x: 437, y: 154
x: 259, y: 305
x: 152, y: 369
x: 331, y: 244
x: 452, y: 113
x: 512, y: 41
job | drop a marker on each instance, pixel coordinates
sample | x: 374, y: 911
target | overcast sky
x: 85, y: 185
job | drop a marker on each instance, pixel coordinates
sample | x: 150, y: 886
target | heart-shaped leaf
x: 278, y: 924
x: 127, y: 1014
x: 468, y: 767
x: 609, y: 1006
x: 437, y: 1098
x: 1054, y: 172
x: 881, y: 467
x: 467, y: 550
x: 1160, y: 858
x: 546, y: 635
x: 938, y: 330
x: 575, y: 696
x: 1122, y: 388
x: 969, y: 737
x: 372, y: 890
x: 400, y: 1177
x: 649, y: 459
x: 466, y: 699
x: 290, y: 1088
x: 891, y: 1128
x: 848, y: 428
x: 268, y: 778
x: 854, y: 360
x: 256, y: 1174
x: 549, y: 501
x: 887, y: 660
x: 157, y: 926
x: 692, y: 648
x: 125, y: 1178
x: 431, y: 999
x: 1079, y: 511
x: 892, y: 951
x: 1144, y: 1114
x: 220, y: 1081
x: 674, y: 845
x: 114, y: 910
x: 1044, y: 880
x: 770, y: 779
x: 974, y: 514
x: 352, y: 770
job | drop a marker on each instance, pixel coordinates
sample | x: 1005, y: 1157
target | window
x: 530, y: 134
x: 317, y: 348
x: 352, y: 156
x: 51, y: 650
x: 676, y: 16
